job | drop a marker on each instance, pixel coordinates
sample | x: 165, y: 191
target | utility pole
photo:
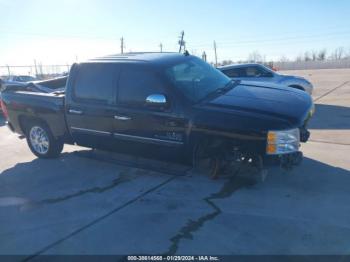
x: 8, y: 70
x: 36, y: 69
x: 216, y: 56
x: 161, y: 47
x: 122, y: 45
x: 204, y: 56
x: 181, y: 41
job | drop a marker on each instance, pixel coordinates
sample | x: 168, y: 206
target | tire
x: 205, y: 164
x: 41, y: 141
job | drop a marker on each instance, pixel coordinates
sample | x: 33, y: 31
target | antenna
x: 181, y: 41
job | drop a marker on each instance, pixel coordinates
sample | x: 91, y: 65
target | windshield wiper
x: 220, y: 90
x: 226, y: 87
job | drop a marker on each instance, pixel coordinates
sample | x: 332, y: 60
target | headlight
x: 312, y: 110
x: 283, y: 141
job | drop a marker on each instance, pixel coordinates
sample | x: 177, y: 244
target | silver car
x: 258, y: 72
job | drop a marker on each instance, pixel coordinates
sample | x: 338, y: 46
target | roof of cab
x: 152, y: 57
x: 238, y: 65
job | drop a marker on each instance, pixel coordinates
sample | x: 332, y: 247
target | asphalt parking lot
x: 89, y: 203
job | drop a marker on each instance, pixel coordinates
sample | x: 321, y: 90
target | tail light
x: 4, y: 109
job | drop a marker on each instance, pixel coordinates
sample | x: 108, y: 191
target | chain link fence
x: 304, y: 65
x: 37, y: 71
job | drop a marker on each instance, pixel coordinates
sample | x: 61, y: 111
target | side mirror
x: 157, y: 101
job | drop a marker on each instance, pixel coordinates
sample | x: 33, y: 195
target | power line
x: 259, y: 41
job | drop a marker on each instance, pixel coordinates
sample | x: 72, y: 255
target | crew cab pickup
x: 169, y: 102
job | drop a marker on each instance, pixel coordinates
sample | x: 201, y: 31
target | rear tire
x: 41, y: 141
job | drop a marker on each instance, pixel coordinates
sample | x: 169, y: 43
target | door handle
x: 122, y: 118
x: 76, y: 112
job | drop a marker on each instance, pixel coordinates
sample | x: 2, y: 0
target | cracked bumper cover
x: 285, y: 160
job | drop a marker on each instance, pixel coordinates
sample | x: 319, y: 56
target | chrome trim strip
x: 146, y: 139
x: 76, y: 112
x: 90, y: 131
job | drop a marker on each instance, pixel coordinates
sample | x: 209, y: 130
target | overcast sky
x: 58, y: 32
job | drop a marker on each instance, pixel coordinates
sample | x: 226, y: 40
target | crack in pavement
x: 331, y: 91
x: 120, y: 180
x: 123, y: 178
x: 99, y: 219
x: 232, y: 185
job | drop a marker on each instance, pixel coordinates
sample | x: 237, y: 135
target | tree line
x: 338, y: 53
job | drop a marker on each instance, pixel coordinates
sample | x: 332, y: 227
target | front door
x: 152, y: 131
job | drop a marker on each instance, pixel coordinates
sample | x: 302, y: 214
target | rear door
x: 90, y: 107
x: 142, y: 127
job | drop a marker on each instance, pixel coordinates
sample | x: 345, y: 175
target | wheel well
x: 297, y: 87
x: 24, y: 122
x: 218, y: 145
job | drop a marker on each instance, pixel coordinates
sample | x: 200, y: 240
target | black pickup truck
x: 168, y: 102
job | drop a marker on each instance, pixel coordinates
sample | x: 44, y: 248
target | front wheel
x: 204, y: 162
x: 41, y: 141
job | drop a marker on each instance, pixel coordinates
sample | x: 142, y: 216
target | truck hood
x: 268, y: 99
x: 284, y: 78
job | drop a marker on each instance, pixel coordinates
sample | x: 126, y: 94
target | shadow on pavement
x: 330, y: 117
x: 129, y: 160
x: 84, y: 170
x: 56, y: 180
x: 74, y: 171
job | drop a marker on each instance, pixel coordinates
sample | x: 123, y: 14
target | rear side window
x: 136, y: 83
x: 96, y: 83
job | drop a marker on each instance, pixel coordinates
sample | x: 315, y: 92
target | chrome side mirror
x: 156, y: 100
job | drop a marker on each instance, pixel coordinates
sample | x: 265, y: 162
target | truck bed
x: 23, y: 106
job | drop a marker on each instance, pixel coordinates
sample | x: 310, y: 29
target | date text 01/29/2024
x: 173, y: 258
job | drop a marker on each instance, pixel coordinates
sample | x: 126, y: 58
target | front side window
x: 96, y: 82
x: 256, y: 71
x: 196, y: 79
x: 233, y: 72
x: 136, y: 83
x: 252, y: 71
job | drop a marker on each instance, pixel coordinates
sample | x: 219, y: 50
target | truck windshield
x: 196, y: 79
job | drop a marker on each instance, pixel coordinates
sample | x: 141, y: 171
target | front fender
x: 297, y: 83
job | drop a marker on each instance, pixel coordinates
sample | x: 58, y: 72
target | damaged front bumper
x: 285, y: 161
